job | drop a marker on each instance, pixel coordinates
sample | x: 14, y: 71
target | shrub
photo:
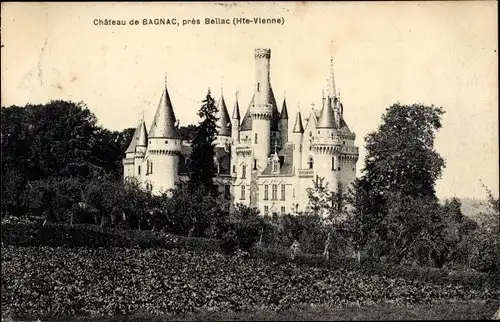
x: 55, y: 235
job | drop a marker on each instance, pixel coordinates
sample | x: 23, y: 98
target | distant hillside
x: 473, y: 207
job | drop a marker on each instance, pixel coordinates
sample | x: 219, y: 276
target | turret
x: 324, y: 144
x: 135, y: 152
x: 284, y: 123
x: 235, y: 123
x: 261, y: 110
x: 164, y: 147
x: 297, y: 137
x: 140, y: 150
x: 223, y: 123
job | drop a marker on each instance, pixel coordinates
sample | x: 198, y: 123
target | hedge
x: 56, y: 235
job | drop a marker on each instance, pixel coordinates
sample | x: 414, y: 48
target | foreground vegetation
x: 57, y: 282
x: 62, y: 272
x: 475, y: 310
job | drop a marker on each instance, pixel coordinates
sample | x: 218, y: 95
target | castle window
x: 293, y: 193
x: 266, y: 192
x: 283, y: 190
x: 275, y: 192
x: 151, y: 167
x: 255, y: 137
x: 243, y: 171
x: 282, y: 211
x: 343, y: 142
x: 242, y: 197
x: 139, y: 170
x: 266, y: 210
x: 166, y: 142
x: 234, y: 168
x: 333, y: 163
x: 255, y: 164
x: 310, y: 162
x: 258, y: 87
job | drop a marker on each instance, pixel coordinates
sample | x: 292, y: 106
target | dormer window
x: 275, y: 166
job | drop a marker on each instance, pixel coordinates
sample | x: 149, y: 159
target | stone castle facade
x: 261, y: 162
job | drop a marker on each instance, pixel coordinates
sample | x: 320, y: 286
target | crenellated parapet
x: 263, y: 53
x: 325, y: 148
x: 165, y: 152
x: 262, y: 115
x: 244, y: 151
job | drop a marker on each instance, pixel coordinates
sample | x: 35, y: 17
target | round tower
x: 164, y: 148
x: 261, y: 110
x: 324, y: 146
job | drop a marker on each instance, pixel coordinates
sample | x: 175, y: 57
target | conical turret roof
x: 326, y: 119
x: 236, y: 110
x: 142, y: 140
x: 298, y: 128
x: 140, y: 137
x: 164, y: 121
x: 223, y: 122
x: 284, y: 111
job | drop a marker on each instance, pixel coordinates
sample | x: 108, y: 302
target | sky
x: 441, y: 53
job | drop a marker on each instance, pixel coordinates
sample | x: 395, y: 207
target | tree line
x: 60, y: 166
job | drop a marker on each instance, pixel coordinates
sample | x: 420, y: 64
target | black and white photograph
x: 249, y: 161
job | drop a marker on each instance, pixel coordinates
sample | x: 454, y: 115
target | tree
x: 400, y: 155
x: 332, y: 209
x: 202, y: 165
x: 188, y: 132
x: 401, y: 168
x: 488, y: 236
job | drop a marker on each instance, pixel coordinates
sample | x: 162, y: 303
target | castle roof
x: 246, y: 123
x: 298, y: 127
x: 236, y: 110
x: 140, y: 137
x: 284, y: 111
x: 326, y: 119
x: 286, y: 161
x: 164, y: 121
x: 223, y: 122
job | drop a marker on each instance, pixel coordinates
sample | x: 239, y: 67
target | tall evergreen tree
x: 202, y: 165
